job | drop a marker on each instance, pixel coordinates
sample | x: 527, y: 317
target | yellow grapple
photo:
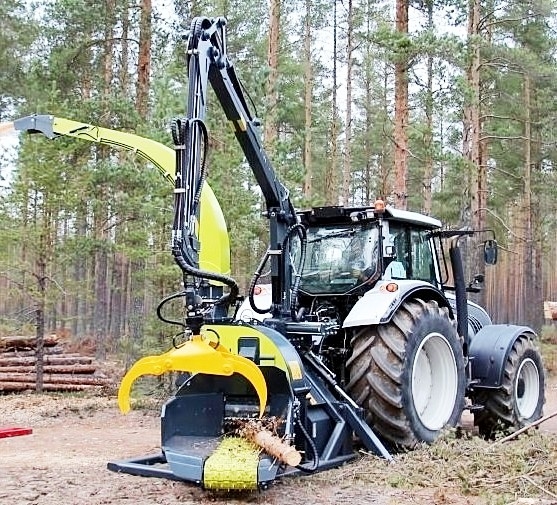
x: 197, y: 355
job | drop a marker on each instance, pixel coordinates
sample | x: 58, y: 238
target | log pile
x: 62, y: 371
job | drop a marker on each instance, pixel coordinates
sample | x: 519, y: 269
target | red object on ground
x: 14, y: 432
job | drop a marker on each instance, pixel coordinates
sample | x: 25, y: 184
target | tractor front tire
x: 408, y: 375
x: 520, y: 399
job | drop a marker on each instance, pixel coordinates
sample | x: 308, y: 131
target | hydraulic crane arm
x: 212, y: 227
x: 208, y: 63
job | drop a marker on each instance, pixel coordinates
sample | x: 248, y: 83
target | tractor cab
x: 348, y: 250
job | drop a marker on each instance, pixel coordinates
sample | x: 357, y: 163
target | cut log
x: 257, y: 430
x: 62, y: 369
x: 23, y: 342
x: 48, y: 360
x: 49, y: 351
x: 55, y: 378
x: 47, y: 386
x: 274, y: 446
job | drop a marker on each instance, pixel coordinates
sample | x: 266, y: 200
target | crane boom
x: 208, y: 63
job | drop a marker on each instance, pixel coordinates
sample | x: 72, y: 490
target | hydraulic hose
x: 313, y: 447
x: 228, y: 299
x: 163, y: 302
x: 186, y: 205
x: 253, y: 282
x: 297, y: 278
x: 296, y: 284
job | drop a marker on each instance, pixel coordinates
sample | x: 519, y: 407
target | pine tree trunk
x: 331, y: 195
x: 116, y: 296
x: 478, y: 191
x: 347, y: 164
x: 308, y: 103
x: 273, y: 49
x: 401, y: 111
x: 39, y: 323
x: 370, y: 176
x: 43, y: 254
x: 124, y: 51
x: 528, y: 258
x: 144, y: 59
x: 79, y: 300
x: 137, y: 301
x: 385, y: 159
x: 101, y: 313
x: 428, y: 136
x: 531, y: 289
x: 124, y: 307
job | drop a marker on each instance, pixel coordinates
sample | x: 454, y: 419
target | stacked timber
x: 62, y: 371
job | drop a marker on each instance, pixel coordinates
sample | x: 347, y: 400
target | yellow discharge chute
x: 214, y: 254
x: 197, y: 355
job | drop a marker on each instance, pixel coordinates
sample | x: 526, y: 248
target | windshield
x: 339, y: 259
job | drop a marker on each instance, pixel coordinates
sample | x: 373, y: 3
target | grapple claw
x: 195, y: 356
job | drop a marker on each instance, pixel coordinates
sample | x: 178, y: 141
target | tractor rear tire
x: 408, y: 375
x: 520, y: 399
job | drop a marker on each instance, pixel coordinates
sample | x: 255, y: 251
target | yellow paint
x: 295, y: 370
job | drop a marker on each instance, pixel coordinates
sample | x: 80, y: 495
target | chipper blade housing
x: 227, y: 385
x: 252, y: 381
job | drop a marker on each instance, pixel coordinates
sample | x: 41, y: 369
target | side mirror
x: 490, y: 252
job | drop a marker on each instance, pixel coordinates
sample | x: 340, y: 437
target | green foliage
x: 73, y: 59
x: 17, y: 32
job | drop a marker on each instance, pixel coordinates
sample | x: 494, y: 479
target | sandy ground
x: 64, y: 462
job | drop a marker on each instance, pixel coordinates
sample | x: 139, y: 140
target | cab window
x: 413, y: 256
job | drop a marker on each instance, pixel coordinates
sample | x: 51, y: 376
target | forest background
x: 442, y: 107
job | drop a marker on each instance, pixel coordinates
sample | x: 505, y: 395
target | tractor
x: 364, y: 336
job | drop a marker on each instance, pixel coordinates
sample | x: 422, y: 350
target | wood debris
x: 261, y: 433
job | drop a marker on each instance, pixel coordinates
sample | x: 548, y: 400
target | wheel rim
x: 527, y: 388
x: 434, y: 381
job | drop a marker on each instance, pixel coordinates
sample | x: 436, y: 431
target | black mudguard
x: 489, y: 350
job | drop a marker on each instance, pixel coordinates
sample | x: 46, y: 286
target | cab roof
x: 343, y: 215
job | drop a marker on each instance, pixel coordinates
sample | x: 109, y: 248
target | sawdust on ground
x: 64, y: 463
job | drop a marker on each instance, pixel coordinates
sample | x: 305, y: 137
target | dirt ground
x: 64, y: 463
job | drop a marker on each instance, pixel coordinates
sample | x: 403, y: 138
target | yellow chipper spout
x: 196, y: 355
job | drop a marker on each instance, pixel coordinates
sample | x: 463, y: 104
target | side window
x: 399, y: 266
x: 423, y: 267
x: 413, y: 257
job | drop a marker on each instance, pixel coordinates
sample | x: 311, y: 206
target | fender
x: 215, y: 256
x: 477, y: 315
x: 378, y: 305
x: 486, y: 352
